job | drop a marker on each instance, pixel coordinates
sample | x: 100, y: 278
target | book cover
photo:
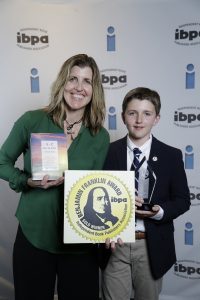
x: 48, y: 155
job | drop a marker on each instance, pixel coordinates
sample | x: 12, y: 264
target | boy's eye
x: 148, y: 114
x: 131, y: 113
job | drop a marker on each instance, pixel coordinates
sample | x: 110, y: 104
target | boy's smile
x: 139, y: 118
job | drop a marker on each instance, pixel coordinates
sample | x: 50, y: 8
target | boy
x: 142, y: 264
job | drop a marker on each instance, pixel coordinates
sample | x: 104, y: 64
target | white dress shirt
x: 145, y: 149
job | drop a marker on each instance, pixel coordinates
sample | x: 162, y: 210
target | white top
x: 143, y: 189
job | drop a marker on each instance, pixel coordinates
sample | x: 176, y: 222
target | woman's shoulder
x: 31, y: 120
x: 33, y: 116
x: 103, y: 136
x: 104, y: 131
x: 37, y: 113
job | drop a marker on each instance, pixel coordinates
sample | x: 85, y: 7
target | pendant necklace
x: 70, y: 126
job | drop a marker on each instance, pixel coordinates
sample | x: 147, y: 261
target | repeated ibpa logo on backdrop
x: 188, y: 269
x: 34, y: 81
x: 190, y: 77
x: 187, y: 34
x: 187, y: 116
x: 195, y: 195
x: 189, y: 157
x: 32, y: 39
x: 111, y: 39
x: 112, y: 118
x: 189, y: 234
x: 113, y: 78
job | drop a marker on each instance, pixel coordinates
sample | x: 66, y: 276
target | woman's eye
x: 88, y: 81
x: 71, y: 79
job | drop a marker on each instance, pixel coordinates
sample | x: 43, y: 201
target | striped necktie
x: 135, y: 164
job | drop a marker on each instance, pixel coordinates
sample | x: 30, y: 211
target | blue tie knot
x: 137, y: 152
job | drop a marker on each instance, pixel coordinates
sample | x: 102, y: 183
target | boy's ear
x: 157, y: 119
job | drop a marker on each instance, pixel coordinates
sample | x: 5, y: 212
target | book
x: 48, y: 155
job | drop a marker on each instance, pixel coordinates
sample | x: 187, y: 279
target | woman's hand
x: 45, y: 183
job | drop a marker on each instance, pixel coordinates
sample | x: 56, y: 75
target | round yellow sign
x: 98, y: 206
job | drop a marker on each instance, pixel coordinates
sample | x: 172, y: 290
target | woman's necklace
x: 70, y: 126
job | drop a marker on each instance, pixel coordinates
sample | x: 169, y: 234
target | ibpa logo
x: 113, y: 78
x: 32, y: 39
x: 187, y: 117
x: 187, y: 269
x: 188, y: 34
x: 194, y: 195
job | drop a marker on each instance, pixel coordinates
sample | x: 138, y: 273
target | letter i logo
x: 112, y: 123
x: 189, y: 157
x: 190, y: 77
x: 34, y: 79
x: 189, y: 232
x: 111, y: 38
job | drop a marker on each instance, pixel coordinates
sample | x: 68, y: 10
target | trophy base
x: 146, y: 206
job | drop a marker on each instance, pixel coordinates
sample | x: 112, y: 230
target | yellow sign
x: 98, y: 205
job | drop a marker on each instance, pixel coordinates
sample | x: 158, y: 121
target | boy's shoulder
x: 163, y: 146
x: 119, y: 141
x: 156, y: 143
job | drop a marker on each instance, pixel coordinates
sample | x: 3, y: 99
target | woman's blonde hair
x: 94, y: 114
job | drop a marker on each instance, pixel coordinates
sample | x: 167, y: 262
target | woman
x: 77, y: 107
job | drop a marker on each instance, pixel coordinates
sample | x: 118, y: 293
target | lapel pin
x: 155, y: 158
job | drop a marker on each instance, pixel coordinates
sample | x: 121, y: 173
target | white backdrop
x: 154, y: 43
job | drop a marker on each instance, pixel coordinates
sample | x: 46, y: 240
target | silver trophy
x: 147, y: 179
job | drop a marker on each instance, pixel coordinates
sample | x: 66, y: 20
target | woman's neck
x: 72, y: 124
x: 74, y: 116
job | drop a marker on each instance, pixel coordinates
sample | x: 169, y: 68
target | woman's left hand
x: 45, y: 183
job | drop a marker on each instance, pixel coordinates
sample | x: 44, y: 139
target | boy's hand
x: 112, y: 244
x: 144, y: 213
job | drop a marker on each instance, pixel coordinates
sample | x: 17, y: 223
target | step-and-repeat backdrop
x: 152, y: 43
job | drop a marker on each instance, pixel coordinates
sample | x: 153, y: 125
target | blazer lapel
x: 122, y: 154
x: 153, y: 163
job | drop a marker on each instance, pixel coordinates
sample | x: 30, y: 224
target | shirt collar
x: 145, y: 148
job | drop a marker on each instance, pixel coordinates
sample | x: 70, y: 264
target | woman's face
x: 78, y: 89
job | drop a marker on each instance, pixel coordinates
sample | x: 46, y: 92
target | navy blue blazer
x: 171, y: 193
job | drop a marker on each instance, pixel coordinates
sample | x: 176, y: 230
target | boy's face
x: 139, y: 118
